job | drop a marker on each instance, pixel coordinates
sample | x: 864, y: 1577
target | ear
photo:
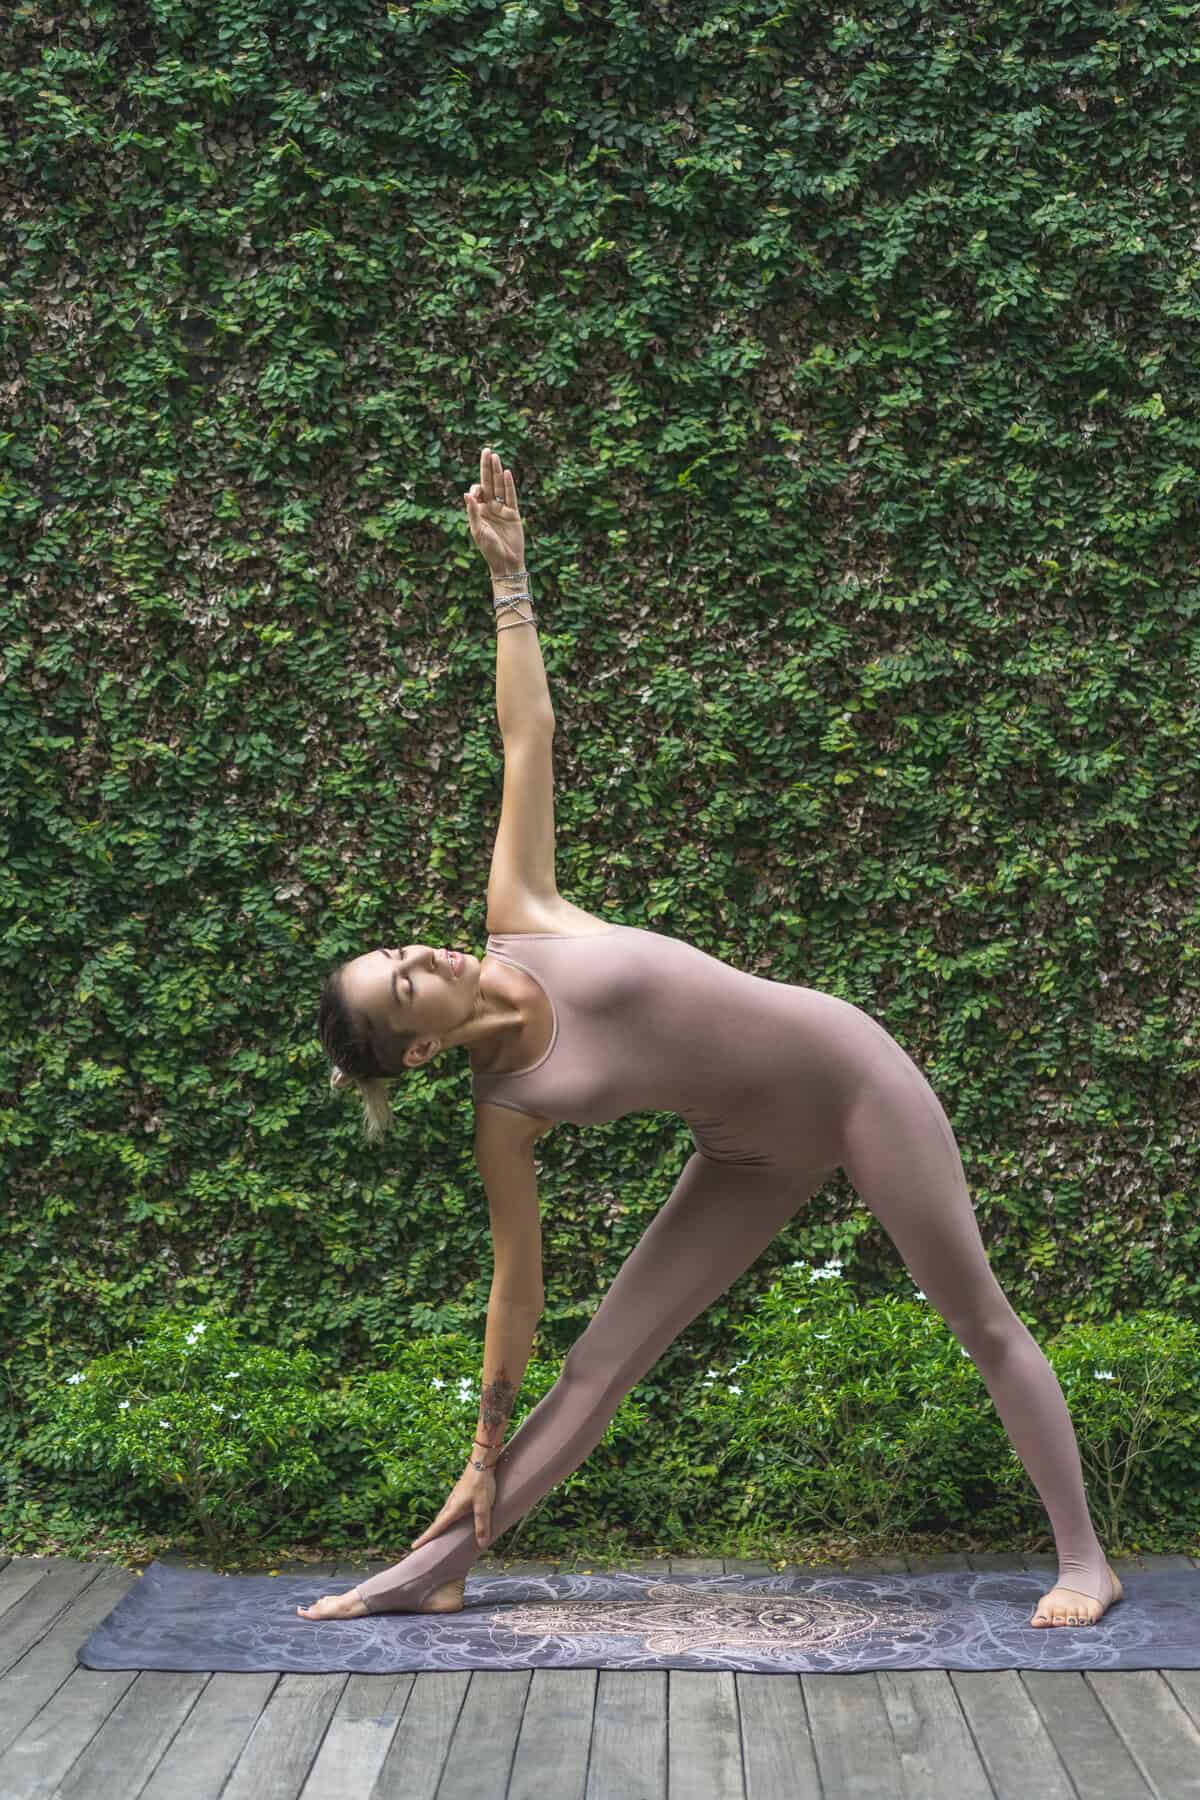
x: 423, y: 1051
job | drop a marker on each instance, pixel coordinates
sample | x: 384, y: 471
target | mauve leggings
x: 900, y: 1154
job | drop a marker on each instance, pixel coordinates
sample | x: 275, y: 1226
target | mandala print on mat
x: 671, y: 1620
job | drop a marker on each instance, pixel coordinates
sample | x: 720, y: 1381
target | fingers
x: 430, y: 1531
x: 496, y: 483
x: 483, y: 1522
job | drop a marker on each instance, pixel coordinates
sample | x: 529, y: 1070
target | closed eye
x: 407, y: 977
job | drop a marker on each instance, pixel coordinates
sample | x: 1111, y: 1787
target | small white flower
x: 1103, y: 1374
x: 72, y: 1379
x: 735, y: 1390
x: 232, y: 1374
x: 437, y: 1382
x: 920, y: 1295
x: 124, y: 1406
x: 217, y: 1409
x: 164, y: 1422
x: 963, y: 1352
x: 235, y: 1415
x: 200, y: 1327
x: 821, y: 1334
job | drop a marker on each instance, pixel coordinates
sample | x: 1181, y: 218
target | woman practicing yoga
x: 572, y: 1017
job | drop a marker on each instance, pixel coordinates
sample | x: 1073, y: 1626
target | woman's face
x: 416, y: 991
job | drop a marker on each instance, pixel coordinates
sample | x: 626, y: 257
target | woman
x: 571, y: 1017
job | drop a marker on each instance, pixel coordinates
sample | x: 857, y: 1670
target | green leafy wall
x: 847, y: 364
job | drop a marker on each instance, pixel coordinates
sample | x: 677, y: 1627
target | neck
x: 494, y: 1027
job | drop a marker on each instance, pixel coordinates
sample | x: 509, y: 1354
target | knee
x: 988, y: 1335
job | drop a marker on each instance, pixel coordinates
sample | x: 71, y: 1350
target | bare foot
x: 1066, y: 1606
x: 350, y: 1605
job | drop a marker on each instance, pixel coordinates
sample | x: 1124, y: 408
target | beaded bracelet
x: 514, y: 600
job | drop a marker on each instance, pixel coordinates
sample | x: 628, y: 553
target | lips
x: 455, y: 961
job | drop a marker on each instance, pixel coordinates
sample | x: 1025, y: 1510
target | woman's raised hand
x: 493, y: 516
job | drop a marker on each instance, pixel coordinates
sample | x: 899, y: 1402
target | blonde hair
x: 378, y: 1116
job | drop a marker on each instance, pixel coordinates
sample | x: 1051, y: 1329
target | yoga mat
x: 175, y: 1618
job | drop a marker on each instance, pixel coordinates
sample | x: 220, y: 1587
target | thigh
x: 903, y: 1161
x: 718, y: 1219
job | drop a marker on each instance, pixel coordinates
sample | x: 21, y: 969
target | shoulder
x: 559, y: 917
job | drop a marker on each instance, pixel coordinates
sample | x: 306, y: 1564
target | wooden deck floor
x: 569, y: 1734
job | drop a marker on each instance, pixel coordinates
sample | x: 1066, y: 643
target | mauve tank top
x: 643, y: 1022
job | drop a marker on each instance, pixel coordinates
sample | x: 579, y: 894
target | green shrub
x: 873, y: 1419
x: 1132, y: 1387
x: 231, y: 1430
x: 843, y: 1416
x: 867, y: 1419
x: 244, y: 1439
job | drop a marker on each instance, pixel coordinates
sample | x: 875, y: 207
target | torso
x: 563, y: 919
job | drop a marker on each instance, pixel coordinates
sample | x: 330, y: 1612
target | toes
x: 1074, y: 1614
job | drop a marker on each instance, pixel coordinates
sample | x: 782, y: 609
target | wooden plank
x: 1013, y: 1743
x: 282, y: 1747
x: 704, y: 1744
x: 629, y: 1736
x: 360, y: 1735
x: 1185, y: 1686
x: 40, y: 1670
x: 205, y: 1750
x: 36, y: 1600
x: 778, y: 1758
x: 42, y: 1755
x: 417, y: 1753
x: 1085, y: 1739
x: 19, y: 1578
x: 852, y: 1735
x: 938, y: 1760
x: 480, y: 1756
x: 735, y: 1565
x: 696, y: 1565
x: 121, y: 1757
x: 556, y: 1733
x: 1156, y: 1732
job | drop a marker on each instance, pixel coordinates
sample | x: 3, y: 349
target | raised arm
x: 522, y: 882
x: 522, y: 691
